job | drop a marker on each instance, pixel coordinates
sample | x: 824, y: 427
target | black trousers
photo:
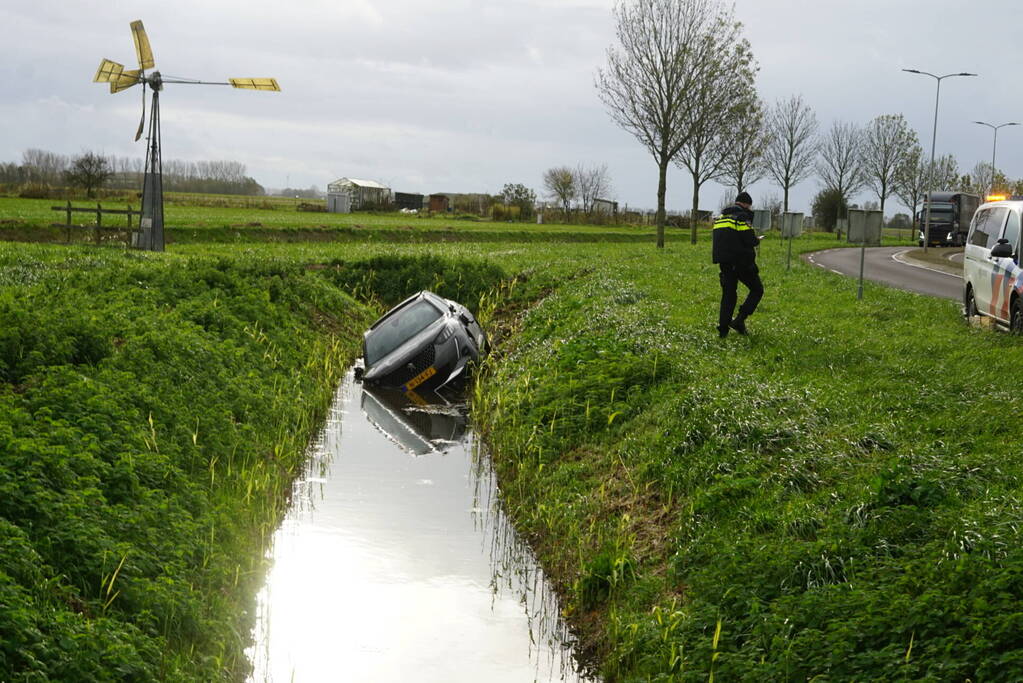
x: 731, y: 275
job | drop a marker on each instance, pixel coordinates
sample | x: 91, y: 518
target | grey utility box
x: 761, y: 220
x: 791, y: 224
x: 865, y: 227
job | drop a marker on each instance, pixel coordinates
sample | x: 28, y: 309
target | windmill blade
x: 255, y: 83
x: 142, y: 121
x: 125, y: 80
x: 108, y: 72
x: 142, y: 49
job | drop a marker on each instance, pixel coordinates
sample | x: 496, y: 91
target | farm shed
x: 350, y: 194
x: 605, y: 206
x: 438, y: 203
x: 406, y: 200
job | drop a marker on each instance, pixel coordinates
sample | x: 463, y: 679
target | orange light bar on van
x: 995, y: 198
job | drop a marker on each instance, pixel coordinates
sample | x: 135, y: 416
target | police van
x: 992, y: 277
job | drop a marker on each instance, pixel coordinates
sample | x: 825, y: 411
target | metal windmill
x: 150, y: 233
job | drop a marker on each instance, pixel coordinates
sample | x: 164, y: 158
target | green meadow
x: 835, y: 497
x: 191, y: 218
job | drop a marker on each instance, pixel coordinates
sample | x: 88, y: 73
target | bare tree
x: 981, y: 178
x: 886, y: 143
x: 840, y: 164
x: 44, y: 167
x: 721, y: 97
x: 89, y: 171
x: 911, y: 178
x: 744, y: 149
x: 560, y: 185
x: 592, y: 183
x: 946, y: 173
x: 774, y: 204
x: 650, y: 74
x: 792, y: 146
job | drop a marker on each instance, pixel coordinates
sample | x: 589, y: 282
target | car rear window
x: 399, y: 328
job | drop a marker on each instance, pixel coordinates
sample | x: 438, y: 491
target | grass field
x: 190, y: 222
x: 835, y: 497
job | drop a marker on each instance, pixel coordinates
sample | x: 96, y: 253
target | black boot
x: 739, y: 325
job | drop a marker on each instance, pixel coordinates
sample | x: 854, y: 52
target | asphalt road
x: 889, y: 266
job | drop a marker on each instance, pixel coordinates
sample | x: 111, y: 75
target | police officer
x: 734, y: 251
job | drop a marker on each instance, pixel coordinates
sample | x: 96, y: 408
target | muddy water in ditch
x: 396, y: 562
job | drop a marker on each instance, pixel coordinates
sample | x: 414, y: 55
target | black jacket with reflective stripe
x: 734, y: 239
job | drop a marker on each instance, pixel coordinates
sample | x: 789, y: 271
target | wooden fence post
x: 99, y: 221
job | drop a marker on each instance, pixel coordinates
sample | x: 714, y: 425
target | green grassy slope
x: 836, y: 496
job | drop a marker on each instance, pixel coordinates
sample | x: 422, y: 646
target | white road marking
x: 821, y: 265
x: 897, y: 257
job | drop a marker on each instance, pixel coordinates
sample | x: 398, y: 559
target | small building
x: 438, y: 203
x: 408, y: 201
x: 605, y: 206
x: 351, y: 194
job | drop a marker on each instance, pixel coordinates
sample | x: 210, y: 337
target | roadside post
x: 791, y: 226
x: 864, y: 228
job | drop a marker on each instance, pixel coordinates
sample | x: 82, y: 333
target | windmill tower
x: 150, y: 233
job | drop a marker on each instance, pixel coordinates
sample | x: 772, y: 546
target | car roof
x: 1011, y: 203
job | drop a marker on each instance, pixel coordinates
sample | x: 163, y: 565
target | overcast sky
x: 465, y: 96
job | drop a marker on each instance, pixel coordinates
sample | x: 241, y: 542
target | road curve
x: 889, y: 266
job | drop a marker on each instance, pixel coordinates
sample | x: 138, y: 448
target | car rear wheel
x: 969, y: 304
x: 1016, y: 317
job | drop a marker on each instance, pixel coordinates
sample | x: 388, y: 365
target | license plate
x: 415, y: 398
x: 420, y: 378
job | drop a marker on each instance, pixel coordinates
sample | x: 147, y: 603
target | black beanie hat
x: 744, y: 198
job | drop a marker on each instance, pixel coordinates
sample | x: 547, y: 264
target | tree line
x: 92, y: 171
x: 680, y: 78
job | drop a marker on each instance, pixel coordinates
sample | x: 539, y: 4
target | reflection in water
x: 396, y: 562
x: 420, y: 424
x: 516, y: 572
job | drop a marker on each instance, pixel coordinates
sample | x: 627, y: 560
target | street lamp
x: 994, y: 145
x: 934, y: 136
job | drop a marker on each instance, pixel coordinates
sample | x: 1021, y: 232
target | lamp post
x: 994, y: 146
x: 934, y: 136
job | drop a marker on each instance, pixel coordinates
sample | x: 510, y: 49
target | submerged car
x: 424, y: 343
